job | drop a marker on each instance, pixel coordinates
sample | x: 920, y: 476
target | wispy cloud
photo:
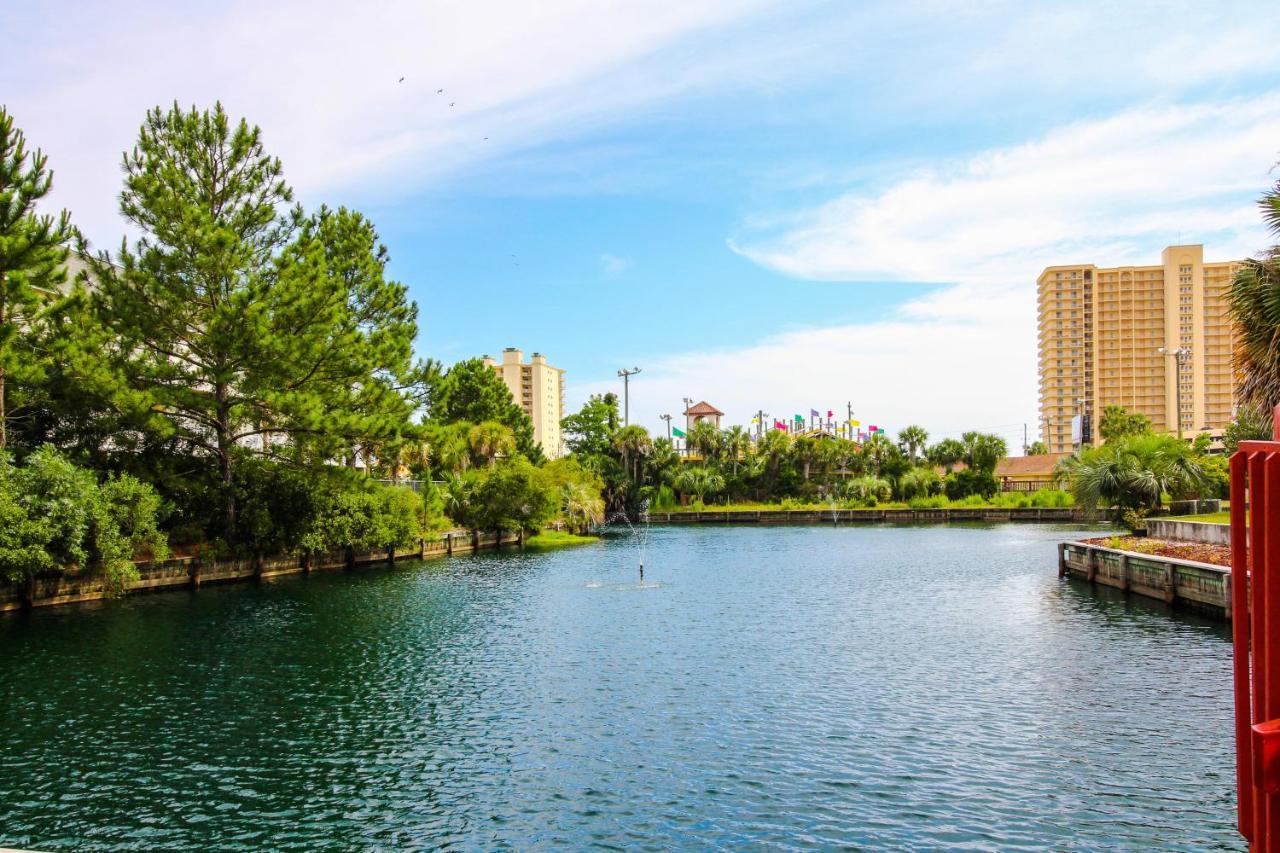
x: 1109, y: 190
x: 614, y: 265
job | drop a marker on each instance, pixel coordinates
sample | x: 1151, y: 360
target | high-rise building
x: 1143, y: 338
x: 539, y: 389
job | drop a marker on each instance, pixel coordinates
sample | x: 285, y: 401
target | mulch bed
x: 1218, y: 555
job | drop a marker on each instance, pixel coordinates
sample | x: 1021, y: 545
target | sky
x: 787, y: 206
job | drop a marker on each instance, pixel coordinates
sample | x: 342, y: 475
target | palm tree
x: 868, y: 489
x: 919, y: 483
x: 699, y: 481
x: 773, y: 448
x: 805, y: 451
x: 737, y: 441
x: 583, y: 506
x: 490, y: 439
x: 1133, y: 472
x: 945, y: 454
x: 983, y: 451
x: 704, y: 439
x: 1254, y: 301
x: 913, y: 440
x: 633, y: 443
x: 662, y: 462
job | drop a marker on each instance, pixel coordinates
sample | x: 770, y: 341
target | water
x: 796, y: 687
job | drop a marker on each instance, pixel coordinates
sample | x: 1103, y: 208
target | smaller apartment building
x: 539, y: 389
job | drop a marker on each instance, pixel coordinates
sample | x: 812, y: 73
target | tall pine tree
x: 33, y: 254
x: 244, y: 327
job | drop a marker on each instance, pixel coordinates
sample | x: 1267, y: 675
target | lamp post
x: 626, y: 393
x: 667, y: 418
x: 1180, y: 355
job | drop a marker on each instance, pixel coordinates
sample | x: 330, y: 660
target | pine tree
x: 244, y: 327
x: 33, y: 254
x: 472, y: 391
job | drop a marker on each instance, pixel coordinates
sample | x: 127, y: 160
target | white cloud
x: 953, y: 360
x: 322, y: 79
x: 614, y: 265
x: 1110, y: 191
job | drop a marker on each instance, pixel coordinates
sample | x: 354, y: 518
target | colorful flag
x: 830, y: 413
x: 755, y: 420
x: 872, y: 428
x: 677, y: 432
x: 799, y: 419
x: 813, y: 413
x: 852, y: 422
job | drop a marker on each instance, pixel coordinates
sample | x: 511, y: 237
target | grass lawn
x: 557, y: 539
x: 1209, y: 518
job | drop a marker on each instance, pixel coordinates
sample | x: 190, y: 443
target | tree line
x: 234, y: 376
x: 727, y: 466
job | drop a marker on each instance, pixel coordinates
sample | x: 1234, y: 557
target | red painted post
x: 1240, y: 643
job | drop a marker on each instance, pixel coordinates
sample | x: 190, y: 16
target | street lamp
x: 626, y: 393
x: 667, y: 418
x: 1180, y: 355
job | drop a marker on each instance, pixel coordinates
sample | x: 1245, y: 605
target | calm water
x: 791, y: 687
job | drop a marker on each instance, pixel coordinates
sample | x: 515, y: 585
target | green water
x: 798, y: 687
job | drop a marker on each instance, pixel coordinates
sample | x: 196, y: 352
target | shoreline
x: 194, y: 572
x: 835, y: 516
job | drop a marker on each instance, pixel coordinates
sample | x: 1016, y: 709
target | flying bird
x: 439, y: 91
x: 451, y: 103
x: 401, y: 80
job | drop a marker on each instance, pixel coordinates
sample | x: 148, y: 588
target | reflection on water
x: 795, y: 686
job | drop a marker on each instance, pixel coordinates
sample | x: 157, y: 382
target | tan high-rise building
x: 1101, y: 332
x: 539, y: 389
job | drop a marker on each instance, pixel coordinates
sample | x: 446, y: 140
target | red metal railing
x: 1255, y: 630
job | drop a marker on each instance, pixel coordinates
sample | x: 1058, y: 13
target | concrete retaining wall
x: 1189, y: 531
x: 1200, y: 586
x: 806, y: 516
x: 193, y: 572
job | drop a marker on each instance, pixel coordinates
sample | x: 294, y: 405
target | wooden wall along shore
x: 193, y: 572
x: 899, y: 516
x: 1198, y: 586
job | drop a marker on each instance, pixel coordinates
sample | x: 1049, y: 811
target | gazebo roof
x: 703, y: 408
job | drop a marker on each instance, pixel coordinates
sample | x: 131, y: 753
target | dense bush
x: 962, y: 484
x: 56, y: 516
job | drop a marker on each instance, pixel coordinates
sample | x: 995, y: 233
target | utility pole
x: 688, y: 403
x: 1025, y: 446
x: 760, y: 416
x: 626, y: 393
x: 1179, y: 355
x: 667, y: 418
x: 848, y: 423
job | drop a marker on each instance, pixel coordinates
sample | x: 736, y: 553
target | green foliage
x: 699, y: 481
x: 962, y: 484
x: 1117, y: 422
x: 33, y: 250
x: 913, y: 439
x: 1254, y: 304
x: 866, y: 490
x: 919, y: 483
x: 946, y: 454
x: 577, y: 492
x: 557, y: 539
x: 472, y: 391
x: 240, y: 326
x: 509, y: 496
x: 1037, y: 448
x: 1133, y: 472
x: 1249, y: 425
x: 55, y: 516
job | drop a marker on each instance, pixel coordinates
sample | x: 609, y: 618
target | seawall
x: 193, y: 572
x: 1198, y: 586
x: 909, y: 516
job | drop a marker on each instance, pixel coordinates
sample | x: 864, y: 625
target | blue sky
x: 763, y: 205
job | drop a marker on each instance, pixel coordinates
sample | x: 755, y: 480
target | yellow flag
x: 852, y: 422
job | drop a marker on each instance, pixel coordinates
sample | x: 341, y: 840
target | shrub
x: 55, y: 516
x: 1051, y: 498
x: 962, y: 484
x: 933, y: 502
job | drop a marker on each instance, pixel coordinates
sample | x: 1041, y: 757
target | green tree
x: 736, y: 443
x: 510, y: 496
x: 1254, y: 301
x: 1133, y: 472
x: 699, y: 481
x: 1117, y: 422
x: 983, y: 451
x: 705, y: 440
x: 590, y: 432
x: 1248, y: 425
x: 472, y: 391
x: 633, y: 444
x: 489, y: 440
x: 229, y: 337
x: 33, y: 252
x: 913, y: 440
x: 946, y: 454
x: 1037, y: 448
